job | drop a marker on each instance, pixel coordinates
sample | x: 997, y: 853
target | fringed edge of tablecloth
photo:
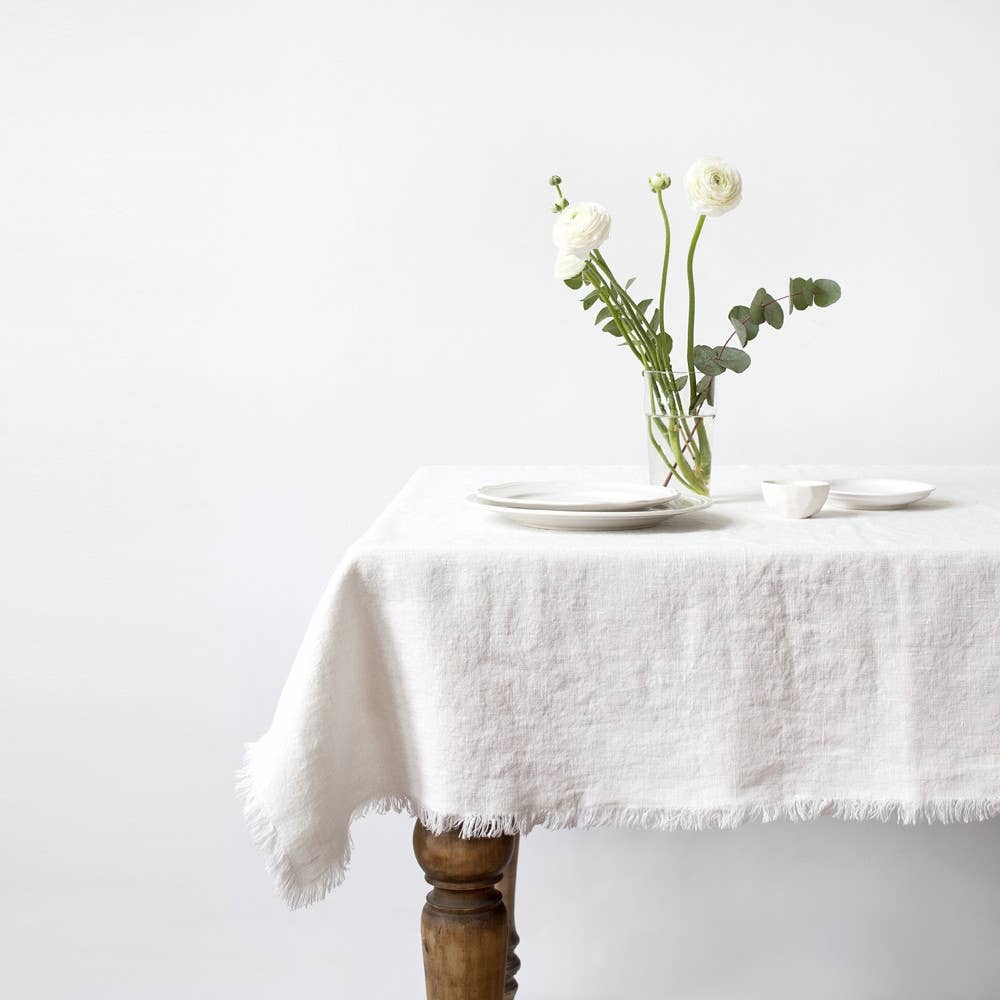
x: 296, y: 894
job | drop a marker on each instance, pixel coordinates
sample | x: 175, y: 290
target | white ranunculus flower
x: 568, y: 265
x: 713, y: 186
x: 581, y: 227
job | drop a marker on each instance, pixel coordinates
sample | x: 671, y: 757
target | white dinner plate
x: 877, y: 494
x: 567, y: 494
x: 596, y: 520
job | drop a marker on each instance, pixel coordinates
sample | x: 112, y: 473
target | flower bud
x: 555, y: 179
x: 659, y: 182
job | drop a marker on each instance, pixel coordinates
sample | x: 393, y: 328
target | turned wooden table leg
x: 508, y: 887
x: 464, y: 923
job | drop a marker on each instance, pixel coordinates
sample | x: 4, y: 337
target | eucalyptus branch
x: 747, y: 321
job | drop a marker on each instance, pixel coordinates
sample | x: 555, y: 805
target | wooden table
x: 467, y: 926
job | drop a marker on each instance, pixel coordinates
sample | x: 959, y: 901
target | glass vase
x: 678, y: 432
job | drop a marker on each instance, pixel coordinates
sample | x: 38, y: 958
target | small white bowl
x: 795, y: 497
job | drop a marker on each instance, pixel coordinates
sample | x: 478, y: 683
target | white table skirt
x: 725, y: 667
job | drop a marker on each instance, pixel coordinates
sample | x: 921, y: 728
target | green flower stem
x: 666, y: 391
x: 701, y: 455
x: 669, y: 431
x: 668, y: 387
x: 640, y: 339
x: 679, y: 467
x: 666, y: 256
x: 606, y: 297
x: 650, y: 421
x: 690, y: 331
x: 641, y: 326
x: 704, y: 447
x: 644, y: 331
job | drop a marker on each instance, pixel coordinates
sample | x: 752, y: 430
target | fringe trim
x: 298, y: 894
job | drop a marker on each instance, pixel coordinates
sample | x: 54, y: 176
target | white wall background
x: 260, y: 260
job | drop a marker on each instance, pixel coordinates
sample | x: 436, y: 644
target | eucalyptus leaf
x: 743, y: 323
x: 738, y: 316
x: 826, y: 291
x: 704, y: 391
x: 733, y: 358
x: 800, y: 293
x: 774, y: 315
x: 706, y: 362
x: 760, y: 300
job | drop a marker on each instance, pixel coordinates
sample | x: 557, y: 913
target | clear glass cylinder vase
x: 679, y: 429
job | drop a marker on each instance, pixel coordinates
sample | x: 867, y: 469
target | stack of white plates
x: 585, y: 506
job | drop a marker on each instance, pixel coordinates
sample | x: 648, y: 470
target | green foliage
x: 664, y: 342
x: 575, y: 282
x: 747, y: 320
x: 716, y: 360
x: 826, y: 291
x: 733, y: 359
x: 706, y: 362
x: 800, y: 293
x: 590, y: 298
x: 704, y: 391
x: 744, y: 324
x: 805, y: 292
x: 774, y: 315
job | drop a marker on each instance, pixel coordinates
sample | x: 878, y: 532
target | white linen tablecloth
x: 727, y: 666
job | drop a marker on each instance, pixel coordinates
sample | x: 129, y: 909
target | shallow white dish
x: 878, y: 494
x: 795, y: 497
x: 596, y: 520
x: 565, y: 494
